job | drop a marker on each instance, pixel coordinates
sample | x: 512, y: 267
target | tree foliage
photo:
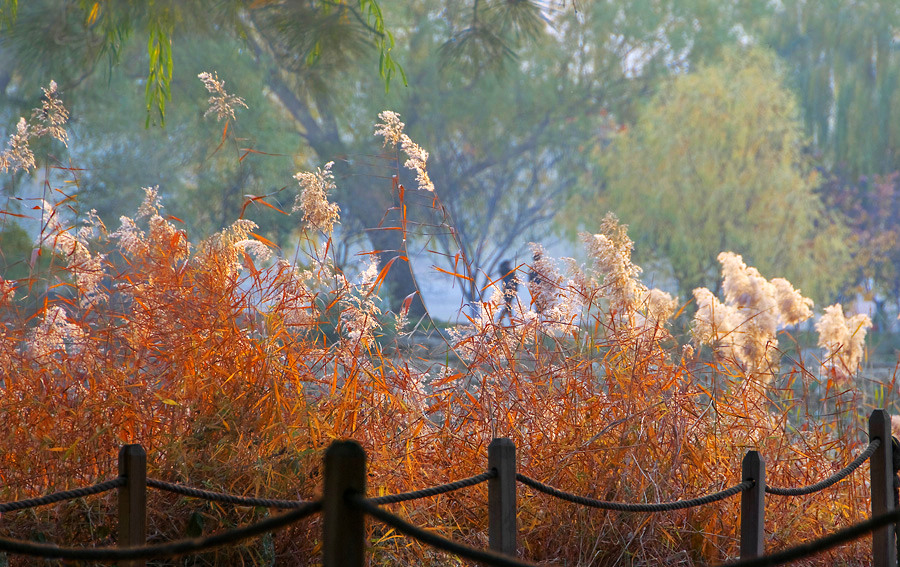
x: 313, y: 58
x: 508, y: 147
x: 497, y: 89
x: 204, y: 169
x: 713, y: 164
x: 871, y: 205
x: 843, y: 62
x: 97, y: 28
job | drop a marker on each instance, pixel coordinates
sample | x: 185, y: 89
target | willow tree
x: 715, y: 163
x: 842, y: 60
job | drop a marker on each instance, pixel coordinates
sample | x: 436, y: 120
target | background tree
x: 508, y: 147
x: 305, y: 53
x: 842, y: 60
x: 201, y: 175
x: 713, y: 164
x: 502, y: 146
x: 319, y: 40
x: 510, y: 97
x: 871, y: 205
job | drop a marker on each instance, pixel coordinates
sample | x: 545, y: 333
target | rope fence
x: 161, y: 550
x: 624, y: 507
x: 833, y: 479
x: 62, y: 496
x: 224, y: 497
x: 433, y: 491
x: 344, y: 507
x: 487, y: 557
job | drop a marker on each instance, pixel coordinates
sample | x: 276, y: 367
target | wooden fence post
x: 344, y: 526
x: 884, y: 552
x: 133, y: 500
x: 753, y: 506
x: 502, y: 496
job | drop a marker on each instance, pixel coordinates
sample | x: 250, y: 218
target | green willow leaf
x: 8, y: 11
x: 387, y: 65
x: 159, y: 78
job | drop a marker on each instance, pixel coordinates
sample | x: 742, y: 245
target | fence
x: 344, y: 507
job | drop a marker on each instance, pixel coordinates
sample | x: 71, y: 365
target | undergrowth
x: 235, y: 367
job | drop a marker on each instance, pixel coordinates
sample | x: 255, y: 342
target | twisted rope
x: 625, y: 507
x: 836, y: 477
x: 431, y: 538
x: 810, y: 548
x: 434, y: 490
x: 63, y: 495
x: 224, y: 497
x: 157, y: 551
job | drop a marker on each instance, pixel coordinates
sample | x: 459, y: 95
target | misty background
x: 764, y: 128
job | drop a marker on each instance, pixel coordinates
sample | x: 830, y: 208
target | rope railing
x: 810, y: 548
x: 640, y: 507
x: 425, y: 536
x: 62, y: 496
x: 434, y: 490
x: 225, y: 497
x: 487, y: 557
x: 345, y: 506
x: 161, y: 550
x: 833, y: 479
x: 229, y: 498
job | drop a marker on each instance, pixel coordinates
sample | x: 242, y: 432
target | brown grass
x: 196, y: 360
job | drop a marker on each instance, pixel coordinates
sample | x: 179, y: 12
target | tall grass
x: 235, y: 370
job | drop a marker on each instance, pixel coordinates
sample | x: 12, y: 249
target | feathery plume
x: 54, y: 335
x: 48, y: 120
x: 392, y: 131
x: 221, y: 103
x: 843, y: 339
x: 51, y: 116
x: 313, y: 199
x: 744, y: 328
